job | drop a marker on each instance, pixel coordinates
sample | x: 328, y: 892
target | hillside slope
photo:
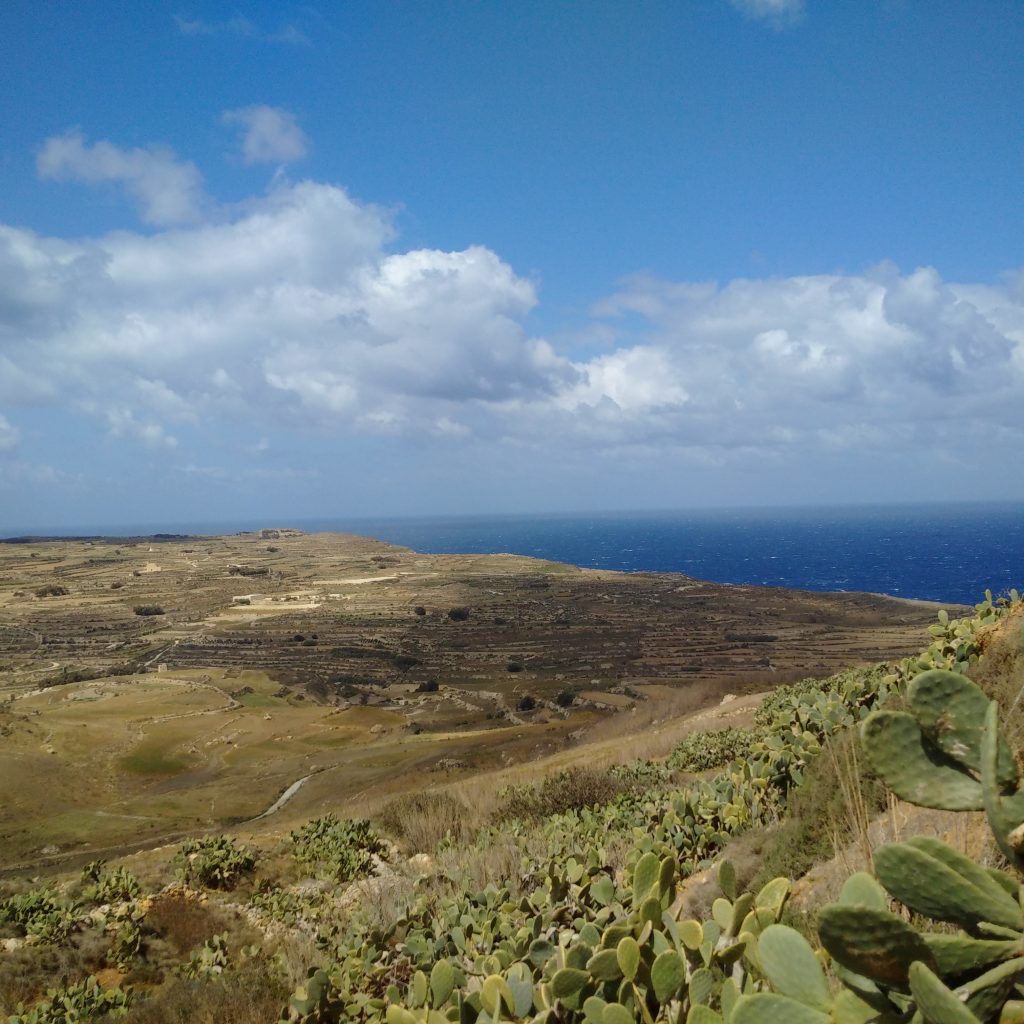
x: 553, y: 901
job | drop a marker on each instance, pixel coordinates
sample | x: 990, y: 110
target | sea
x: 949, y: 553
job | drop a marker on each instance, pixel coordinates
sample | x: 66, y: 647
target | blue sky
x: 283, y: 261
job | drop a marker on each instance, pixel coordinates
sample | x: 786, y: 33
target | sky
x: 272, y: 261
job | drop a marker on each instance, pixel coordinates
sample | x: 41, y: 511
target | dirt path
x: 283, y: 798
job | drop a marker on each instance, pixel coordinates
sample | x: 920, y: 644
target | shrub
x: 425, y: 819
x: 459, y: 614
x: 514, y: 666
x: 52, y: 590
x: 255, y: 992
x: 148, y: 609
x: 569, y: 790
x: 427, y: 686
x: 566, y: 697
x: 818, y: 820
x: 183, y: 921
x: 420, y: 610
x: 526, y: 703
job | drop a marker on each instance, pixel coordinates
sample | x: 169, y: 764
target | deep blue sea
x: 948, y: 553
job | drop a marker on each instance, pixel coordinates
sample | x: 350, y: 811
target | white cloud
x: 9, y: 435
x: 268, y: 134
x: 634, y: 380
x: 123, y: 423
x: 780, y: 12
x: 165, y: 189
x: 243, y: 28
x: 157, y: 397
x: 15, y: 473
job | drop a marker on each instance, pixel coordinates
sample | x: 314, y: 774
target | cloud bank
x: 298, y: 311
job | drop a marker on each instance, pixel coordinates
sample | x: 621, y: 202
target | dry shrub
x: 184, y: 922
x: 569, y: 790
x: 420, y: 821
x: 251, y: 994
x: 1000, y: 673
x: 495, y: 861
x: 828, y: 810
x: 26, y: 973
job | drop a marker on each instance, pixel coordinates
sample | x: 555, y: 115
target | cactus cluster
x: 81, y: 1001
x: 125, y: 925
x: 292, y: 909
x: 954, y: 643
x: 43, y: 914
x: 209, y: 961
x: 640, y: 773
x: 335, y: 848
x: 944, y: 751
x: 101, y: 884
x: 701, y: 751
x: 213, y: 862
x: 579, y: 949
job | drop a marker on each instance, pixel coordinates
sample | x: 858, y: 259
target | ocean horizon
x: 939, y: 552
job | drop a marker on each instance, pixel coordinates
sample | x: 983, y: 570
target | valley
x: 152, y: 688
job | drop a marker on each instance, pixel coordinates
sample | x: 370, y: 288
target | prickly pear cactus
x: 945, y: 751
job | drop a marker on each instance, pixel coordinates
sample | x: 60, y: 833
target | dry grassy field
x: 156, y: 687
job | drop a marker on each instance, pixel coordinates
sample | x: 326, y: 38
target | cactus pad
x: 928, y: 884
x: 771, y: 1008
x: 951, y: 711
x: 913, y: 768
x: 873, y: 943
x: 937, y: 1004
x: 792, y: 967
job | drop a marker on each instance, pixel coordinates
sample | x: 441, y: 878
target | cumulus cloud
x: 821, y: 361
x: 268, y: 134
x: 165, y: 189
x: 779, y: 12
x: 292, y: 309
x: 242, y: 28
